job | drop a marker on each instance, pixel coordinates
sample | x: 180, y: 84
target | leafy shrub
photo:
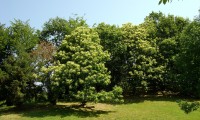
x: 188, y: 107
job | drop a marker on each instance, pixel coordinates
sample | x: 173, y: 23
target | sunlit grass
x: 136, y: 109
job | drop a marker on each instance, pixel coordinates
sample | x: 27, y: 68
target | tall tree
x: 142, y: 68
x: 188, y: 61
x: 4, y: 38
x: 80, y: 69
x: 165, y: 31
x: 18, y: 66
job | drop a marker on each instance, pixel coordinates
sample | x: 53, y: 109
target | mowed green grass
x: 137, y: 109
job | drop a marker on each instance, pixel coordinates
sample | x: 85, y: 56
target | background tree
x: 42, y: 56
x: 142, y: 68
x: 18, y: 66
x: 188, y: 61
x: 4, y: 38
x: 164, y: 1
x: 153, y: 44
x: 55, y: 29
x: 111, y: 40
x: 165, y: 32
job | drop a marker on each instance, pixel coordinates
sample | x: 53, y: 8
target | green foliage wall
x: 75, y: 62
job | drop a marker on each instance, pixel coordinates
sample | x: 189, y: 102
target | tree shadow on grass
x: 141, y: 99
x: 39, y: 111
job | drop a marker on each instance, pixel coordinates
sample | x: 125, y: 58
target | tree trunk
x: 83, y: 104
x: 53, y: 101
x: 9, y: 102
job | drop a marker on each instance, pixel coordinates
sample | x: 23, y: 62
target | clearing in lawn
x: 139, y: 108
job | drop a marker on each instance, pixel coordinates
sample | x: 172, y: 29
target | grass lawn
x: 137, y: 109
